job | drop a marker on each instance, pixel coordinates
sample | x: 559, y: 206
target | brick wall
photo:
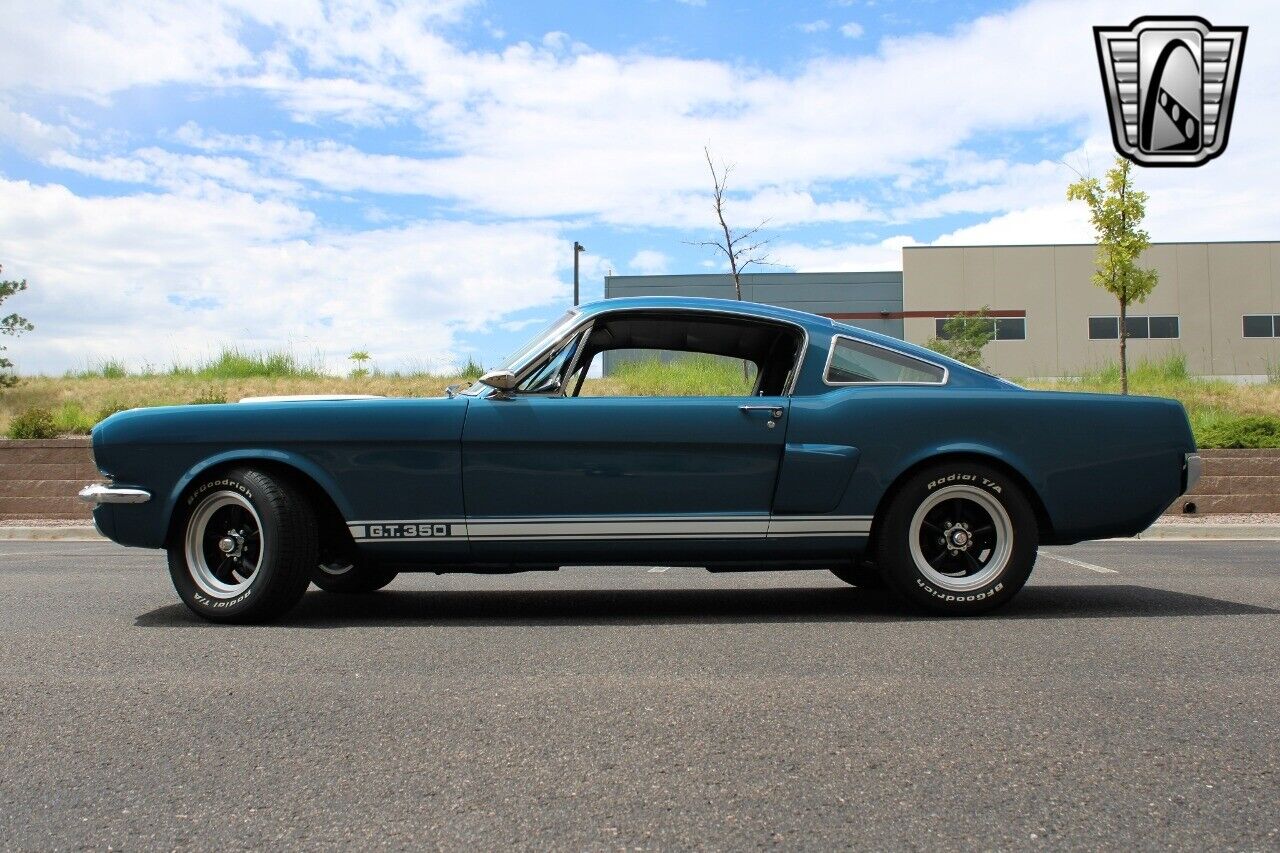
x: 39, y: 480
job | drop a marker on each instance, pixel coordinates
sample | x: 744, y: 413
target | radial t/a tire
x: 244, y: 546
x: 350, y: 577
x: 957, y: 538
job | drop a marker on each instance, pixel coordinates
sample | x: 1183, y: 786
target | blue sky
x: 408, y: 178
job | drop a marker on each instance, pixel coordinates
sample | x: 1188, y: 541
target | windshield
x: 537, y: 344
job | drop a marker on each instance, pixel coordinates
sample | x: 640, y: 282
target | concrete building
x: 1217, y: 303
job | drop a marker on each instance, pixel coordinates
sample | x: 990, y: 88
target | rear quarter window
x: 854, y: 362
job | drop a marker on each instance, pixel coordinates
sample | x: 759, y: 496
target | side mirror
x: 503, y: 380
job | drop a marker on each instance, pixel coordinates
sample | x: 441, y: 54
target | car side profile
x: 884, y: 462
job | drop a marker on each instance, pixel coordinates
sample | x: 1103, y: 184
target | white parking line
x: 1102, y: 570
x: 658, y: 569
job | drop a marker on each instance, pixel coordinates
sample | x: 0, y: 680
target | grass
x: 1222, y: 413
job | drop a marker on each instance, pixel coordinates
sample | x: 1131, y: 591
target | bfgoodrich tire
x: 350, y: 577
x: 244, y: 547
x: 957, y: 538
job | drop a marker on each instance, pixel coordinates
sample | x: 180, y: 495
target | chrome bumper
x: 1192, y: 467
x: 99, y: 493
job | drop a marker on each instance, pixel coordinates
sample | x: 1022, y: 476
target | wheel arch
x: 316, y: 486
x: 1043, y: 520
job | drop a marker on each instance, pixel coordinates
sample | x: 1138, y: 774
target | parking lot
x: 1127, y: 698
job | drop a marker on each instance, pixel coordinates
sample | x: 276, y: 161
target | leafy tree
x: 11, y: 325
x: 1117, y: 212
x: 964, y: 336
x: 359, y: 357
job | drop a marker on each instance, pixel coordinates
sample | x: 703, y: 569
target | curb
x: 1264, y: 532
x: 1169, y: 532
x: 60, y: 533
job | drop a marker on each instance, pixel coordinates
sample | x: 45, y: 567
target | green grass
x: 236, y: 363
x: 688, y: 376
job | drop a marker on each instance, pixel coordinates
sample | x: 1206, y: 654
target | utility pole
x: 578, y: 249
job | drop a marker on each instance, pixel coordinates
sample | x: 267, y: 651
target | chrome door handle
x: 774, y: 411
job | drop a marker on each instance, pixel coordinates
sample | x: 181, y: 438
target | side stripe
x: 550, y: 528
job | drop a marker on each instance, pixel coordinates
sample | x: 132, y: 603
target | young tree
x: 11, y: 325
x: 964, y: 336
x: 742, y: 249
x: 1117, y: 212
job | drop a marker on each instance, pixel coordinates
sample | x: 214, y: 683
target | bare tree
x: 742, y: 249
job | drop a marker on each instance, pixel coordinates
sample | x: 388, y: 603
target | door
x: 574, y: 476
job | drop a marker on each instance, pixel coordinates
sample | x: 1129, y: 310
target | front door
x: 599, y: 477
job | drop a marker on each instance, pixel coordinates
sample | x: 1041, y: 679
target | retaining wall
x: 39, y: 480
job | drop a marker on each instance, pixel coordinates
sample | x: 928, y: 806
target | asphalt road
x: 610, y: 708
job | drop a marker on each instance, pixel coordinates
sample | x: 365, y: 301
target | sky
x: 408, y: 178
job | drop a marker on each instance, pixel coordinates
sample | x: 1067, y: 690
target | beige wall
x: 1208, y: 286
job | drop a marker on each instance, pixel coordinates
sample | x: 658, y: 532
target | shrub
x: 72, y: 419
x: 34, y: 422
x: 1251, y: 431
x: 472, y: 370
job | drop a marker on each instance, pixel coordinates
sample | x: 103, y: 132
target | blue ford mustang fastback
x: 881, y: 461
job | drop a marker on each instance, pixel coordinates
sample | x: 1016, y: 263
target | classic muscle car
x: 884, y: 462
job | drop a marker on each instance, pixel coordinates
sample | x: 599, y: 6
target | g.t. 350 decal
x: 416, y: 530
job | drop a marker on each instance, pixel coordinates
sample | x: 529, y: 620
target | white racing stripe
x: 1102, y: 570
x: 582, y: 528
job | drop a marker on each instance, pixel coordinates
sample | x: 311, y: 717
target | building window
x: 1011, y: 329
x: 1108, y: 328
x: 1164, y: 327
x: 1000, y: 328
x: 1104, y: 328
x: 1262, y: 325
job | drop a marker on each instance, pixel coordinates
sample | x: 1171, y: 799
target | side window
x: 854, y: 362
x: 667, y: 373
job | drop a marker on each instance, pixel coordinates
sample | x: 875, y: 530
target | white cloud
x: 818, y: 26
x: 32, y: 136
x: 851, y: 30
x: 883, y: 255
x: 109, y: 278
x: 649, y: 262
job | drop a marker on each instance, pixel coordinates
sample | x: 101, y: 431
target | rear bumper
x: 1192, y: 468
x: 99, y: 493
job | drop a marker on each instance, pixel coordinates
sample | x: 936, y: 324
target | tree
x: 964, y: 336
x: 11, y: 325
x: 359, y: 357
x: 1117, y: 212
x: 741, y: 249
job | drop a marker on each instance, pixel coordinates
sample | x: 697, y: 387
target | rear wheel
x: 245, y: 547
x: 350, y: 576
x: 957, y: 538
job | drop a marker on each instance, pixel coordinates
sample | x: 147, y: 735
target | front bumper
x: 100, y: 493
x: 1192, y: 468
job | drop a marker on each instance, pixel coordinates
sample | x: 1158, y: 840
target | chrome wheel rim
x: 336, y: 568
x: 224, y: 544
x: 961, y: 538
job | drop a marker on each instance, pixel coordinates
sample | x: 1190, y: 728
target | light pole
x: 578, y: 249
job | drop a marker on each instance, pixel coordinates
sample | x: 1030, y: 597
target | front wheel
x: 244, y: 548
x: 957, y: 538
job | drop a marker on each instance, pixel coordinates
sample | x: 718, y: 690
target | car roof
x: 814, y: 322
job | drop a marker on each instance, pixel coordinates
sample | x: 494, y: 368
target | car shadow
x: 692, y: 606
